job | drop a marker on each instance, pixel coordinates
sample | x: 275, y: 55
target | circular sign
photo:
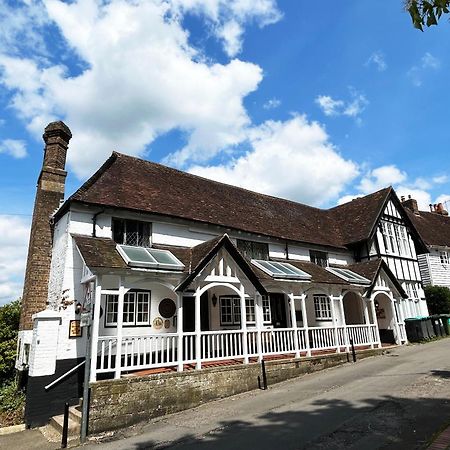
x: 167, y: 308
x: 157, y: 323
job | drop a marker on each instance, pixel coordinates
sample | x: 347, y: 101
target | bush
x: 12, y: 402
x: 9, y: 329
x: 438, y: 299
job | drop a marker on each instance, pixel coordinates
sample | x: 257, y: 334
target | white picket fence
x: 161, y: 350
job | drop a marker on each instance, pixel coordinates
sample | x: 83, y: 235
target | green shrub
x: 9, y: 329
x: 12, y: 402
x: 438, y: 299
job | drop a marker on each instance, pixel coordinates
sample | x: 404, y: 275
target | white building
x: 177, y: 270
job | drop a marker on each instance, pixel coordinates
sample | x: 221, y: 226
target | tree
x: 438, y: 299
x: 9, y: 328
x: 427, y: 12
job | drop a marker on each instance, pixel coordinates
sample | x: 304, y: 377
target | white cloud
x: 14, y: 233
x: 445, y: 199
x: 417, y: 72
x: 141, y: 79
x: 380, y: 178
x: 423, y: 197
x: 297, y: 152
x: 378, y: 60
x: 13, y: 147
x: 440, y: 179
x: 272, y: 103
x: 336, y: 107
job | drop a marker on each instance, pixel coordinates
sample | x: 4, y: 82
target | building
x: 171, y: 269
x: 434, y: 228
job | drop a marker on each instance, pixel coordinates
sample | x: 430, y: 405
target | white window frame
x: 443, y: 256
x: 234, y: 302
x: 131, y: 308
x: 267, y: 312
x: 322, y: 307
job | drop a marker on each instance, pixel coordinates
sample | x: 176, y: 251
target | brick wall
x: 119, y: 403
x: 50, y: 192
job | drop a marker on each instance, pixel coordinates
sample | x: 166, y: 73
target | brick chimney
x: 49, y: 194
x: 411, y: 204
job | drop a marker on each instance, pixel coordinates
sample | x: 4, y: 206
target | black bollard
x: 65, y: 426
x: 353, y: 350
x: 264, y: 376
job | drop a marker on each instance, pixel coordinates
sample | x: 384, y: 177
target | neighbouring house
x: 434, y: 228
x: 169, y: 269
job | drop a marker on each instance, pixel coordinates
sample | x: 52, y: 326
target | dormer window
x: 131, y: 232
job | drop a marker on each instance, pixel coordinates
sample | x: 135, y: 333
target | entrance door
x: 278, y: 310
x: 189, y: 313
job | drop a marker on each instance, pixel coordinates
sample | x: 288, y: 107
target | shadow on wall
x: 386, y: 422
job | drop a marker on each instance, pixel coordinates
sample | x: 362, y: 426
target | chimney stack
x: 49, y: 194
x: 439, y: 209
x: 411, y: 204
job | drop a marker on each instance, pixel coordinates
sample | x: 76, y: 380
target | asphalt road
x: 395, y: 401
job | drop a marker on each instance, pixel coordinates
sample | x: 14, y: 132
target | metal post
x: 65, y: 429
x: 85, y: 405
x: 264, y: 375
x: 353, y: 350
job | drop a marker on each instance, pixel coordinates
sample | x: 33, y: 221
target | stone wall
x: 120, y: 403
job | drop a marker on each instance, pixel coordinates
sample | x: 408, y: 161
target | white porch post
x: 244, y: 324
x: 120, y: 328
x: 305, y: 324
x: 375, y: 321
x: 95, y: 327
x: 294, y: 324
x: 333, y: 316
x: 344, y: 323
x: 367, y: 320
x: 259, y: 323
x: 394, y: 316
x: 198, y: 350
x: 180, y: 331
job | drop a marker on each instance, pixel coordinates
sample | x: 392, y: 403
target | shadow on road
x: 381, y: 423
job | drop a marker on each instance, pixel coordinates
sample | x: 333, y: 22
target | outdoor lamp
x: 214, y: 300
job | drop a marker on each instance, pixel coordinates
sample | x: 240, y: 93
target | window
x: 402, y: 239
x: 267, y: 314
x: 149, y: 257
x: 443, y: 255
x: 387, y: 230
x: 230, y: 310
x: 131, y: 232
x: 136, y: 308
x: 322, y: 307
x: 319, y: 258
x: 348, y: 275
x: 411, y: 290
x: 278, y: 269
x: 253, y: 250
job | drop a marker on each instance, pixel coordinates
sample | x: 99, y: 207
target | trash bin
x: 417, y: 328
x: 445, y: 318
x: 437, y: 325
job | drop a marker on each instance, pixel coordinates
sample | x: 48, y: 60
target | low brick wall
x: 120, y: 403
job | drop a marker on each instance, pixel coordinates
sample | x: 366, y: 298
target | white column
x: 294, y: 324
x: 259, y: 317
x: 344, y: 323
x: 180, y: 331
x: 334, y: 318
x: 244, y: 324
x: 305, y: 324
x: 198, y: 350
x: 95, y: 327
x: 367, y: 320
x: 394, y: 316
x: 375, y: 321
x: 120, y: 329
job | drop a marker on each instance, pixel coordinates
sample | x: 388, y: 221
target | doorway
x: 278, y: 310
x: 189, y: 313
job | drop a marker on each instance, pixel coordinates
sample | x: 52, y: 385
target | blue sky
x: 317, y: 103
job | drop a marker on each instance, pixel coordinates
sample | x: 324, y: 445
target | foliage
x: 427, y: 12
x: 9, y: 328
x: 438, y: 299
x: 12, y: 402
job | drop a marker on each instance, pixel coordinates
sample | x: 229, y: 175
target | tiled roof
x: 433, y: 228
x: 135, y: 184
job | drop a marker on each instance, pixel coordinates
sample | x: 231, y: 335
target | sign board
x: 75, y: 329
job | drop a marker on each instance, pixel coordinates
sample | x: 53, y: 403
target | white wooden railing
x: 161, y: 350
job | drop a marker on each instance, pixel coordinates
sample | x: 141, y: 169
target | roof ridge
x: 387, y: 189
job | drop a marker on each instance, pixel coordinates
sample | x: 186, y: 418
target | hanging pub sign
x: 86, y: 309
x: 75, y: 329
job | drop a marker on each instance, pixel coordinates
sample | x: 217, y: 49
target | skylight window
x: 281, y: 269
x: 149, y: 258
x: 348, y: 275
